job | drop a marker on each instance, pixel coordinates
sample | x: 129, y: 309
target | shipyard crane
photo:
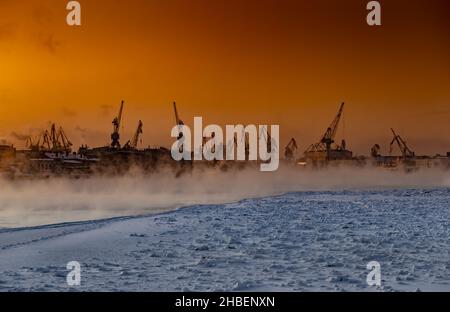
x: 405, y: 150
x: 32, y: 144
x: 268, y: 138
x: 58, y: 139
x: 243, y: 138
x: 328, y: 138
x: 54, y: 137
x: 133, y: 143
x: 290, y: 150
x: 115, y: 136
x: 65, y: 142
x: 51, y: 141
x: 246, y: 138
x: 179, y: 123
x: 46, y: 141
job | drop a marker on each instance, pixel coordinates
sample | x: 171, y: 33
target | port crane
x: 115, y: 136
x: 179, y: 123
x: 242, y: 138
x: 46, y: 145
x: 290, y: 150
x: 268, y: 138
x: 30, y: 144
x: 405, y: 150
x: 246, y: 138
x: 59, y: 139
x: 133, y: 143
x: 328, y: 138
x: 37, y: 145
x: 51, y: 141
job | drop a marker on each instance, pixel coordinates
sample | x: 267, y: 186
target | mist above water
x: 57, y: 200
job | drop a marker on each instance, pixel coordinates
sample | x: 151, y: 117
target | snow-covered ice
x: 304, y: 241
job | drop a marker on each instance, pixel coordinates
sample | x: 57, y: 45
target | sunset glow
x: 261, y: 62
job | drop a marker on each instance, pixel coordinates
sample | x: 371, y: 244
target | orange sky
x: 254, y: 61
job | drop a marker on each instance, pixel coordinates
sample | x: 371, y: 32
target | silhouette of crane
x: 290, y: 150
x: 133, y: 143
x: 327, y: 139
x: 115, y: 136
x: 405, y: 150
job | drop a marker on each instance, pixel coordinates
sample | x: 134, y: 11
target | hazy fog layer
x: 37, y: 202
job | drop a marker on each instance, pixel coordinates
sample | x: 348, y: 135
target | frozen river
x: 302, y: 241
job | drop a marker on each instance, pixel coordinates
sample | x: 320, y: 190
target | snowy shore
x: 295, y: 242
